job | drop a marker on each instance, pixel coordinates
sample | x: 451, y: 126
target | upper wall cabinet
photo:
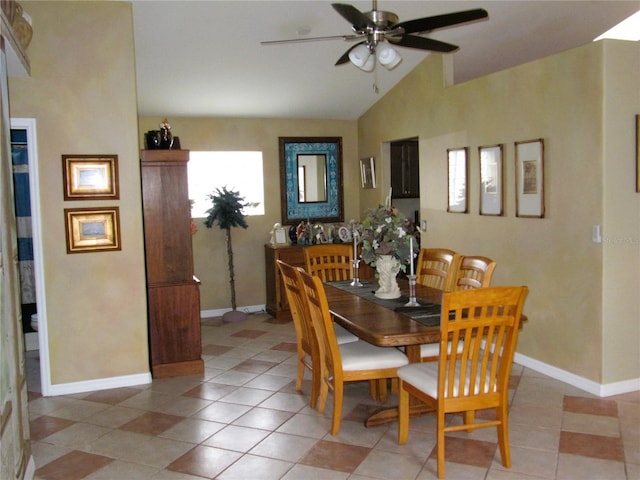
x: 405, y: 170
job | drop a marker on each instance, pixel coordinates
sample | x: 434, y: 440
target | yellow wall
x: 559, y: 99
x: 82, y: 94
x: 210, y: 260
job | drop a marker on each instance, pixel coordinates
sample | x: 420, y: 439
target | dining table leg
x: 416, y: 407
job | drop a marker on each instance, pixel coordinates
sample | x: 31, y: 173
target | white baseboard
x: 601, y: 390
x: 222, y: 311
x: 100, y: 384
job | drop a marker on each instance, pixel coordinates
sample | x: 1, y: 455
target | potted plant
x: 227, y: 212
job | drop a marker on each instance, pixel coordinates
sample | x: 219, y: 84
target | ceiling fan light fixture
x: 362, y: 58
x: 388, y: 56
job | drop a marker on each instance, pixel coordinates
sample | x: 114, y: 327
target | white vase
x: 387, y: 267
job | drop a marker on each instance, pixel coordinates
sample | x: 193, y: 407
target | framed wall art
x: 368, y: 172
x: 92, y: 229
x: 92, y: 177
x: 458, y: 193
x: 491, y: 179
x: 317, y: 197
x: 530, y: 178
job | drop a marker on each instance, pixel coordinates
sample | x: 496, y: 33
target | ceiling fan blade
x: 311, y: 39
x: 422, y: 43
x: 352, y: 15
x: 428, y: 24
x: 345, y: 57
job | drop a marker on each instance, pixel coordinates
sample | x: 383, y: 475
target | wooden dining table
x: 382, y: 324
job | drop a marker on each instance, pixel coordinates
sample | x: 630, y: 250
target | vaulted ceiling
x: 204, y: 58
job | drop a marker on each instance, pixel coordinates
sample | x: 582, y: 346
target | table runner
x: 426, y: 313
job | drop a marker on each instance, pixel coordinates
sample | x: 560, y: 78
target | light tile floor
x: 243, y: 419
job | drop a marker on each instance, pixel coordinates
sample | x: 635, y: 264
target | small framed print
x: 491, y: 197
x: 368, y: 172
x: 92, y: 177
x: 530, y: 178
x: 92, y: 229
x: 458, y: 194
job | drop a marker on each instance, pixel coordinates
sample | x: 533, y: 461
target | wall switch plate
x: 596, y: 234
x: 423, y: 227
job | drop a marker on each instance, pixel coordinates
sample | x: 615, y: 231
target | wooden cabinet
x: 277, y: 305
x: 405, y: 172
x: 173, y: 292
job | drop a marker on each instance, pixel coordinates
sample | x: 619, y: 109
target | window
x: 241, y: 171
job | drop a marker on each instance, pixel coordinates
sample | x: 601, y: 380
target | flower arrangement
x: 385, y: 232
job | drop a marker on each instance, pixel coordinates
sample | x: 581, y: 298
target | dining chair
x: 307, y: 351
x: 347, y: 362
x: 332, y: 263
x: 436, y: 268
x: 474, y: 271
x: 485, y: 322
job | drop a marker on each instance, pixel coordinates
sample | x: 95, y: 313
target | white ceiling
x: 204, y: 58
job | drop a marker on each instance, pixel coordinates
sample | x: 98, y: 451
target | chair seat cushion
x: 343, y: 335
x: 433, y: 349
x: 424, y: 376
x: 364, y: 356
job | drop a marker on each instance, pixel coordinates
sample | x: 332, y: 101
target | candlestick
x: 411, y: 255
x: 356, y: 262
x: 412, y: 293
x: 355, y: 244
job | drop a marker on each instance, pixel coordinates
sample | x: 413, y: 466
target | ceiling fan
x: 379, y: 30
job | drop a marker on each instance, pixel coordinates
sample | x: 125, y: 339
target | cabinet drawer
x: 293, y: 256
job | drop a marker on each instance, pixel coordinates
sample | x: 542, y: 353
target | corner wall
x: 82, y: 93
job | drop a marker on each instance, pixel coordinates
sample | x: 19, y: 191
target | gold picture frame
x: 92, y: 177
x: 92, y: 229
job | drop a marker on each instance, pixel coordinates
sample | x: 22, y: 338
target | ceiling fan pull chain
x: 376, y: 90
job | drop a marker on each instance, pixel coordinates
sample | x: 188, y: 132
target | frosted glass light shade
x: 388, y: 56
x: 361, y: 57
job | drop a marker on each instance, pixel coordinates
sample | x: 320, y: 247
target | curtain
x: 20, y: 161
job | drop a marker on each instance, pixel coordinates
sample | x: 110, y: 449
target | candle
x: 355, y: 244
x: 411, y: 255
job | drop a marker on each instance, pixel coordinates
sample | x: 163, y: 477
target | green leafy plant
x: 385, y: 232
x: 227, y: 212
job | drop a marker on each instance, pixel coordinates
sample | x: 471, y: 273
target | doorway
x: 405, y: 177
x: 27, y: 198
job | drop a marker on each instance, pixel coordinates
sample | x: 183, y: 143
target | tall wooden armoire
x: 173, y: 291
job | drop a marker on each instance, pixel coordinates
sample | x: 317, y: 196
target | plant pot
x: 234, y: 316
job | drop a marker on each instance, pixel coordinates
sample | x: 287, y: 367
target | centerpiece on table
x: 386, y: 246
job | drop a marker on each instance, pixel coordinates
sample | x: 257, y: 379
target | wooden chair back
x: 474, y: 271
x: 330, y: 262
x: 479, y: 330
x: 436, y: 268
x: 485, y: 322
x: 306, y: 342
x: 364, y: 361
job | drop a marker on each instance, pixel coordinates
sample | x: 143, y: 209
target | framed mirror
x: 311, y: 179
